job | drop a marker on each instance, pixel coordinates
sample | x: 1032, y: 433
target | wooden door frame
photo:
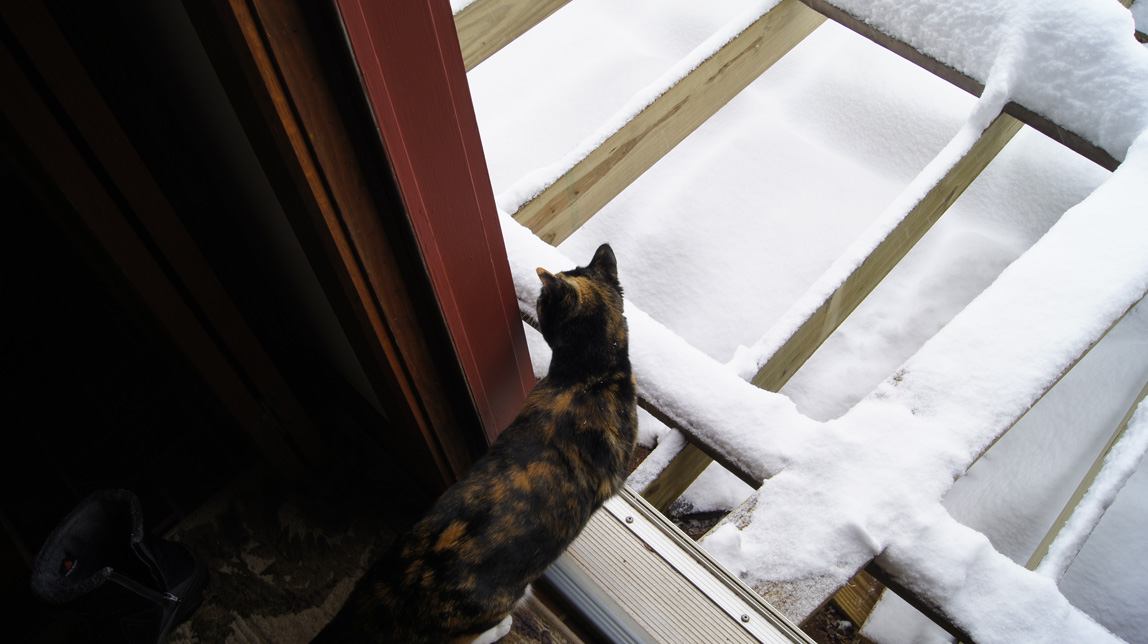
x: 377, y: 162
x: 411, y: 67
x: 68, y: 145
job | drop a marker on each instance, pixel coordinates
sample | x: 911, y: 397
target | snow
x: 534, y: 182
x: 1114, y: 557
x: 727, y: 243
x: 1140, y: 15
x: 1119, y: 466
x: 1053, y: 57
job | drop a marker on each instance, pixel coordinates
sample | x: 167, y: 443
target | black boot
x: 133, y: 587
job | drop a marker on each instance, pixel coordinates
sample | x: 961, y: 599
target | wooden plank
x: 1042, y: 550
x: 485, y: 26
x: 858, y: 597
x: 269, y: 61
x: 687, y: 465
x: 861, y: 282
x: 674, y: 480
x: 569, y: 202
x: 1069, y: 139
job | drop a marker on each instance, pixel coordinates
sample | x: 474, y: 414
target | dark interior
x: 98, y: 395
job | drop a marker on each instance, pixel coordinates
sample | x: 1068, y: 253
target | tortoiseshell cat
x: 463, y: 568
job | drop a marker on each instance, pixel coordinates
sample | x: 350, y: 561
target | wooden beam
x: 283, y: 76
x: 687, y: 465
x: 858, y: 597
x: 844, y: 300
x: 485, y: 26
x: 883, y: 577
x: 1069, y: 139
x: 582, y: 191
x: 848, y: 296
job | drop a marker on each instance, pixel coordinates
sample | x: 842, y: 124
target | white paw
x: 496, y: 633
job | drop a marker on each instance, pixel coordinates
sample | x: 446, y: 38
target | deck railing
x: 599, y: 175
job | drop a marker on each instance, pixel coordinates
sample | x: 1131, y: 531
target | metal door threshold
x: 639, y: 580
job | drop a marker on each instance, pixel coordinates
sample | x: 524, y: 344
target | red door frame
x: 412, y: 70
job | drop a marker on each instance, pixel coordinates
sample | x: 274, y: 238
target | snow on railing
x: 1118, y: 465
x: 834, y: 495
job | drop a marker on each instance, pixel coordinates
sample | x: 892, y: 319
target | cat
x: 460, y: 572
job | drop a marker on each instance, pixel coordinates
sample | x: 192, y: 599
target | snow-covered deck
x: 765, y: 215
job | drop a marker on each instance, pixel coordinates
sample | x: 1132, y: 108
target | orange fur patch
x: 449, y: 537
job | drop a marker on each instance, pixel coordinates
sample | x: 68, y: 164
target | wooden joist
x: 1069, y: 139
x: 861, y: 282
x: 859, y: 597
x: 569, y: 202
x: 772, y: 376
x: 485, y: 26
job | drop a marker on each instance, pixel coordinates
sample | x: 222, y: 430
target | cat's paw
x: 496, y: 633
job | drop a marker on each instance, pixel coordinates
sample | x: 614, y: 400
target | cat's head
x: 583, y: 299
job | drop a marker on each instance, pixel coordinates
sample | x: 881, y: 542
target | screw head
x: 629, y: 519
x: 745, y: 618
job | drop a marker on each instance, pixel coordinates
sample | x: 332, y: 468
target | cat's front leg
x: 498, y: 632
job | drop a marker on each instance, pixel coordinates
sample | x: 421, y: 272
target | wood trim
x: 396, y: 234
x: 49, y: 151
x: 485, y: 26
x: 411, y: 68
x: 1069, y: 139
x: 266, y: 56
x: 582, y: 191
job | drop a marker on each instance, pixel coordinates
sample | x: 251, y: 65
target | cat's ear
x: 605, y: 261
x: 549, y: 282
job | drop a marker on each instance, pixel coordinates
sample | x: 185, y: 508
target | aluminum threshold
x: 638, y: 579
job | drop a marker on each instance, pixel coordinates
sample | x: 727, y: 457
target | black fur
x: 465, y: 566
